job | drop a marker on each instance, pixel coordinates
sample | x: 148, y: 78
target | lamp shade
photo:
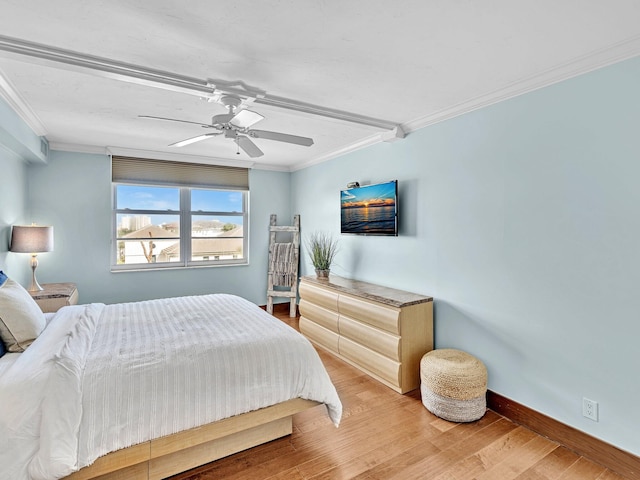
x: 31, y: 239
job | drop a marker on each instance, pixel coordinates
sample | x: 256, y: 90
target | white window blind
x: 161, y: 172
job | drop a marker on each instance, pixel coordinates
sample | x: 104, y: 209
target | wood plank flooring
x: 384, y: 435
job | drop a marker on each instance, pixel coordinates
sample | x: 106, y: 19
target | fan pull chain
x: 238, y: 146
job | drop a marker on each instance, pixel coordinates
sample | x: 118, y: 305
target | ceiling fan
x: 236, y: 125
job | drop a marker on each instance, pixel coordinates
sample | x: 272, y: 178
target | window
x: 158, y: 225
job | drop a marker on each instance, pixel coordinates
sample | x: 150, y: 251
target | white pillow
x: 21, y: 319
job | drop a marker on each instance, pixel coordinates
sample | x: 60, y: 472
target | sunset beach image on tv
x: 370, y: 210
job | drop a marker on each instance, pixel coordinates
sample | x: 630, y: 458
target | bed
x: 149, y: 389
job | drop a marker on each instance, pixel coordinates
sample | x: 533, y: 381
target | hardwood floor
x: 385, y: 435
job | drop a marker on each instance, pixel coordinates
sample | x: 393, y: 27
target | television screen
x: 370, y: 210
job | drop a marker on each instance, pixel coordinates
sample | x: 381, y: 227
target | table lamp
x: 32, y: 239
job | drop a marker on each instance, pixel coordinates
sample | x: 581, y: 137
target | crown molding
x: 132, y: 152
x: 271, y: 167
x: 77, y: 148
x: 578, y: 66
x: 19, y: 105
x: 352, y: 147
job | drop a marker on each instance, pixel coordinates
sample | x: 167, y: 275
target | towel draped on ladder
x: 282, y: 267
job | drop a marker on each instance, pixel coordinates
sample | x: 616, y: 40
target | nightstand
x: 54, y: 296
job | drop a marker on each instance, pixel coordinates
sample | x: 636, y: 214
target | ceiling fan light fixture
x: 245, y: 118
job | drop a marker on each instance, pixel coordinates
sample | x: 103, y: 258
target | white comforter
x: 104, y: 377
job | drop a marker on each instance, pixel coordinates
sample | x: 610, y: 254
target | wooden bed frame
x: 166, y: 456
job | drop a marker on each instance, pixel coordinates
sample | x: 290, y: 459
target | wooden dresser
x: 382, y: 331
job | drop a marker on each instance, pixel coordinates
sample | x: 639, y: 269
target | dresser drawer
x: 319, y: 335
x: 321, y: 316
x: 319, y: 296
x: 375, y: 363
x: 375, y: 314
x: 375, y: 339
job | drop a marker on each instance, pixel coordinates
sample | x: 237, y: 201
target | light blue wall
x: 522, y: 220
x: 16, y: 142
x: 17, y: 137
x: 73, y: 193
x: 13, y: 195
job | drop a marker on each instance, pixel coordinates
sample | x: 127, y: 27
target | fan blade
x: 188, y: 141
x: 281, y: 137
x: 175, y: 120
x: 248, y: 146
x: 245, y: 118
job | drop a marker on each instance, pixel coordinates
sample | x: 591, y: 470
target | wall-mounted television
x: 370, y: 210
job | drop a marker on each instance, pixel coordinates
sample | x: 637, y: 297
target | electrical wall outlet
x: 590, y: 409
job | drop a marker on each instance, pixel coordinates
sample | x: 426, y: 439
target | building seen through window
x: 159, y: 226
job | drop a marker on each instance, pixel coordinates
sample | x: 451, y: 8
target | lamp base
x: 35, y: 286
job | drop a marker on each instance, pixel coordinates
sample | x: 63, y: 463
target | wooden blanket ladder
x: 282, y: 280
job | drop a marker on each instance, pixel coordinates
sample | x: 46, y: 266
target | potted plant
x: 322, y: 248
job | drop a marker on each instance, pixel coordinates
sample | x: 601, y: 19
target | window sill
x: 177, y: 267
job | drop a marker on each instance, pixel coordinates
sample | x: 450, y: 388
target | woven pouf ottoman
x: 453, y: 385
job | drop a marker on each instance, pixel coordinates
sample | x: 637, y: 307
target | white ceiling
x: 412, y: 63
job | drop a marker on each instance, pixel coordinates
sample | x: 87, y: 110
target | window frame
x: 185, y: 215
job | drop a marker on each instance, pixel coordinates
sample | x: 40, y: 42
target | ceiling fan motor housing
x: 231, y: 102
